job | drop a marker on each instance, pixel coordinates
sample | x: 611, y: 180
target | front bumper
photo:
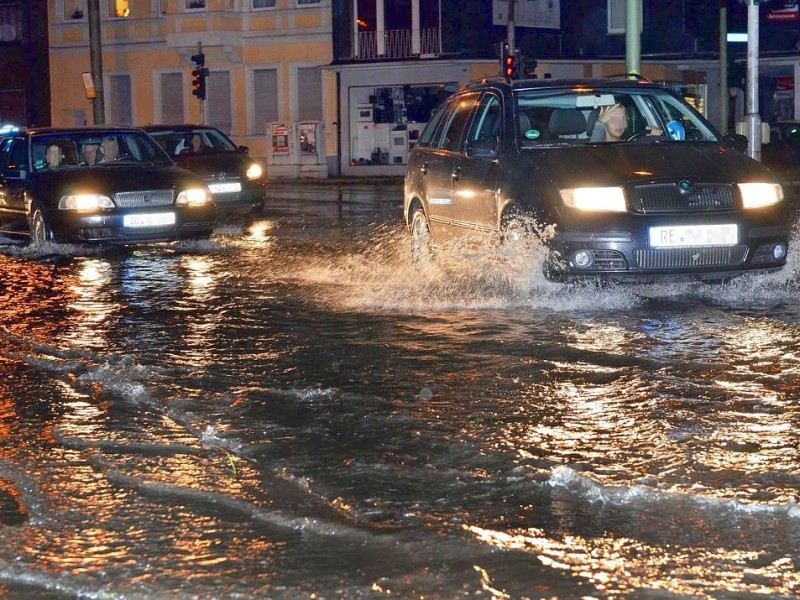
x: 627, y: 256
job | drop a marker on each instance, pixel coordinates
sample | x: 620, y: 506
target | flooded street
x: 290, y: 410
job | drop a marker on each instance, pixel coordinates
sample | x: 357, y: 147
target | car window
x: 17, y: 157
x: 487, y: 124
x: 452, y: 133
x: 5, y: 147
x: 428, y: 134
x: 575, y: 116
x: 87, y: 148
x: 179, y: 141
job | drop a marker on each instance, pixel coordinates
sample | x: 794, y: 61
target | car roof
x: 544, y: 84
x: 95, y: 129
x: 177, y: 127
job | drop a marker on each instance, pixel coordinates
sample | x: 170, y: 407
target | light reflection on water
x: 273, y: 414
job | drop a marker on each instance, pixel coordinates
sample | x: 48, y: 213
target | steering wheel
x: 637, y: 135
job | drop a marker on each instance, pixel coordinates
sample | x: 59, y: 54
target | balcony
x: 397, y: 43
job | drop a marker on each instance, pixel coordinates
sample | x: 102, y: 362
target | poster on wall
x: 280, y: 138
x: 543, y: 14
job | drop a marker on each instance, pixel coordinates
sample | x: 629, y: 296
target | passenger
x: 197, y: 144
x: 90, y: 153
x: 611, y: 124
x: 110, y: 149
x: 53, y: 156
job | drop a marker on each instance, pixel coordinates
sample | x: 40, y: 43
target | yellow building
x: 264, y: 57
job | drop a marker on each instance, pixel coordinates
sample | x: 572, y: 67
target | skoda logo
x: 685, y: 186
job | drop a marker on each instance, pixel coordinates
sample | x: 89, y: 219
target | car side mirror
x: 482, y: 149
x: 737, y: 140
x: 243, y: 149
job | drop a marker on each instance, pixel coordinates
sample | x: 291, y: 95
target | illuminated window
x: 119, y: 9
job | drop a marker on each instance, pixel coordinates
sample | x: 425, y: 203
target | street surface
x: 290, y: 410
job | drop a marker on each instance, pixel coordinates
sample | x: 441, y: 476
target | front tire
x: 421, y: 242
x: 41, y: 232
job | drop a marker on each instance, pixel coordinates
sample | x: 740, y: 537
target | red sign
x: 784, y: 14
x: 784, y: 83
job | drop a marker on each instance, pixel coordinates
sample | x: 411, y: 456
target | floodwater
x: 291, y: 411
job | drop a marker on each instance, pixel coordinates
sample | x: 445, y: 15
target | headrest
x: 567, y: 121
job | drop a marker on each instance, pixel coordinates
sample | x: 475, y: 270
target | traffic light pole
x: 96, y: 60
x: 752, y: 119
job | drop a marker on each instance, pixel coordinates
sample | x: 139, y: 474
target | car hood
x: 112, y: 178
x: 232, y: 164
x: 620, y: 164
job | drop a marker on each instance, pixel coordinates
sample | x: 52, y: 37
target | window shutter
x: 265, y: 99
x: 309, y: 94
x: 172, y: 98
x: 218, y: 101
x: 120, y: 111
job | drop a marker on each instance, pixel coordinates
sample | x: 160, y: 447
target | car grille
x: 143, y: 198
x: 667, y: 197
x: 685, y: 258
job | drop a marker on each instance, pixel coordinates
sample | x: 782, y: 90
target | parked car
x: 98, y: 185
x: 235, y: 180
x: 672, y: 198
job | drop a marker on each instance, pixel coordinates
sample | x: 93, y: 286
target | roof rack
x: 635, y: 76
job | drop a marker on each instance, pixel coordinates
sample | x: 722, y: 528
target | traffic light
x: 510, y: 66
x: 199, y: 74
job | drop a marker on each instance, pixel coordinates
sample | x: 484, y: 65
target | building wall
x: 160, y: 36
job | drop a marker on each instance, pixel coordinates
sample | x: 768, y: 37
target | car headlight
x: 85, y: 202
x: 756, y: 195
x: 254, y: 171
x: 595, y: 198
x: 192, y: 197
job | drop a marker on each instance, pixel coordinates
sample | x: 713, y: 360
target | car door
x: 439, y: 163
x: 476, y: 167
x: 14, y: 170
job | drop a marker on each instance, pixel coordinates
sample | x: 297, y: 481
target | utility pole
x: 511, y: 30
x: 724, y: 94
x: 96, y: 59
x: 633, y: 37
x: 752, y: 119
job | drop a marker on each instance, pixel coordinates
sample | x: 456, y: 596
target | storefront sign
x: 544, y: 14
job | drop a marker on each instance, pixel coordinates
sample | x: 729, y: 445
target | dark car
x: 671, y: 198
x: 782, y: 155
x: 235, y: 180
x: 98, y: 184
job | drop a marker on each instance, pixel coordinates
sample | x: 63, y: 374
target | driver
x: 611, y: 124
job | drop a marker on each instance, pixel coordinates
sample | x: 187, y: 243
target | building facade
x: 24, y: 69
x: 344, y: 87
x: 265, y: 60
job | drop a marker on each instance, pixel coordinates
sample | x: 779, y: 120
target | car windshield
x: 585, y: 115
x: 75, y: 150
x: 198, y: 140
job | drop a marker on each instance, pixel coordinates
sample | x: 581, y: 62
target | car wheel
x: 41, y: 232
x: 421, y: 243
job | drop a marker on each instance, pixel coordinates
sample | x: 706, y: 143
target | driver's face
x: 617, y: 125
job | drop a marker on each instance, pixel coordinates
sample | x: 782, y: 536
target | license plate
x: 224, y: 188
x: 149, y: 219
x: 694, y: 235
